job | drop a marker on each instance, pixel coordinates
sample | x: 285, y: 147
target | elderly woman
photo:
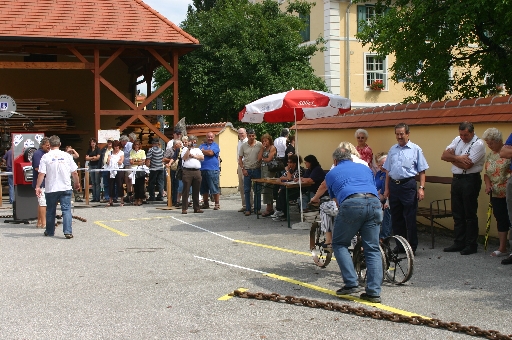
x: 496, y: 174
x: 267, y: 154
x: 380, y: 183
x: 365, y: 152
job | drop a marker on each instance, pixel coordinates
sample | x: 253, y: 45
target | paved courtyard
x: 145, y: 273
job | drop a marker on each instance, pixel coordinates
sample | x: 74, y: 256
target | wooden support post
x: 86, y: 186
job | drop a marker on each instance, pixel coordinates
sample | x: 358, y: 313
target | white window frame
x: 380, y: 74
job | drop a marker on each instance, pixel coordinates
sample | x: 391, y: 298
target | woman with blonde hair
x: 496, y: 174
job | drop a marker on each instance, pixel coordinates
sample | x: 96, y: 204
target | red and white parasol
x: 294, y: 105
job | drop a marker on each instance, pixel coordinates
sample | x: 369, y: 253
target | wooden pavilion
x: 87, y: 56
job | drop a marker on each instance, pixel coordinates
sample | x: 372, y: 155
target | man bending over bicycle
x: 360, y: 211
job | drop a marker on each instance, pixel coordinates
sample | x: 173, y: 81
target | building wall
x: 342, y: 64
x: 433, y: 141
x: 228, y: 141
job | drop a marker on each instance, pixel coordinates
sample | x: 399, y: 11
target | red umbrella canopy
x: 294, y: 105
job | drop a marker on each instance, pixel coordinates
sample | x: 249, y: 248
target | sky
x: 174, y: 10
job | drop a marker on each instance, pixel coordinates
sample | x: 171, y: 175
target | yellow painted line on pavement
x: 227, y: 296
x: 273, y: 247
x: 109, y: 228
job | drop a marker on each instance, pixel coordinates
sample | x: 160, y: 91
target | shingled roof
x: 88, y: 20
x: 479, y: 110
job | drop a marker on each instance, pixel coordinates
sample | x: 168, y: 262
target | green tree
x: 444, y: 48
x: 248, y: 51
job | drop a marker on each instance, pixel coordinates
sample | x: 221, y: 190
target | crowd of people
x: 376, y: 195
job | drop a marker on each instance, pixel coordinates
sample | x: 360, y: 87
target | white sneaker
x: 279, y: 218
x: 277, y: 214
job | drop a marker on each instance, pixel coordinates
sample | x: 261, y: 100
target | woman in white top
x: 137, y: 159
x: 115, y: 161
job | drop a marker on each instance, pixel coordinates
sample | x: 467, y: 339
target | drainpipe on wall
x: 347, y: 50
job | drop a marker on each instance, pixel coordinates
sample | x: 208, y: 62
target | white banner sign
x: 104, y: 135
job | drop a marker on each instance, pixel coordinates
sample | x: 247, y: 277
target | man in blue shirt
x: 210, y: 171
x: 44, y: 147
x: 359, y: 211
x: 405, y: 161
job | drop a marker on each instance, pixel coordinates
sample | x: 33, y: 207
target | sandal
x: 498, y: 253
x: 267, y: 213
x: 217, y: 207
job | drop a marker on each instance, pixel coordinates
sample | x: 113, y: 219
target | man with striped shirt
x: 154, y: 160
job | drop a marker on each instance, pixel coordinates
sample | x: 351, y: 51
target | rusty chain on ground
x: 360, y: 311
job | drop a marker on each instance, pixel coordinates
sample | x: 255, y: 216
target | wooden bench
x: 438, y: 208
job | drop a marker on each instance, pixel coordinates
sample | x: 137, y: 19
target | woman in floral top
x: 496, y: 174
x: 364, y: 150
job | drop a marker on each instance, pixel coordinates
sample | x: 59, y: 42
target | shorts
x: 41, y: 200
x: 210, y: 182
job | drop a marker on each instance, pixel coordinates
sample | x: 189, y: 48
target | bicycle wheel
x: 316, y: 242
x: 360, y: 262
x: 399, y: 259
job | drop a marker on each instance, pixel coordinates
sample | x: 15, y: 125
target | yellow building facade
x: 347, y: 67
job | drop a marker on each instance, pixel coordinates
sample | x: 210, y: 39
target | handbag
x: 174, y: 165
x: 275, y: 165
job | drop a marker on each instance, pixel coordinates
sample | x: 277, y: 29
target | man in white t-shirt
x: 57, y: 166
x: 177, y: 134
x: 280, y: 143
x: 192, y: 157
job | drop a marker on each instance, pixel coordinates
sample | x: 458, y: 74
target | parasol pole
x: 298, y: 160
x: 301, y: 224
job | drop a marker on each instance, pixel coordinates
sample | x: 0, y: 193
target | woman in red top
x: 364, y: 150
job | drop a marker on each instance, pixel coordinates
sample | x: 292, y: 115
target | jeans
x: 10, y: 179
x: 51, y: 210
x: 94, y: 176
x: 386, y: 227
x: 252, y: 173
x: 210, y: 182
x: 156, y: 178
x: 106, y: 176
x: 363, y: 215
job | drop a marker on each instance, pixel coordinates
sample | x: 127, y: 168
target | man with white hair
x: 359, y: 211
x: 55, y: 168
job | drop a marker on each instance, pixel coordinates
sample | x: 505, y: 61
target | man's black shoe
x: 114, y: 200
x: 160, y: 199
x: 453, y: 248
x: 151, y: 199
x: 508, y: 260
x: 468, y: 251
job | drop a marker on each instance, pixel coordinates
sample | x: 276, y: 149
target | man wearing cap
x: 154, y: 160
x: 210, y: 171
x: 405, y: 161
x: 250, y: 164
